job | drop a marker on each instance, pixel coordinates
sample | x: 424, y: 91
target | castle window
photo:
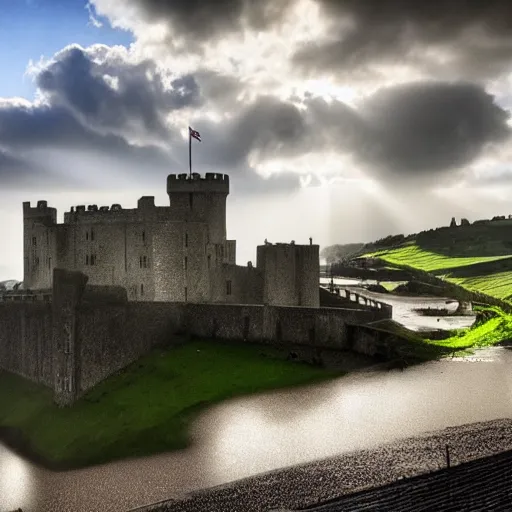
x: 185, y: 262
x: 67, y: 346
x: 191, y: 200
x: 87, y: 259
x: 34, y: 241
x: 143, y: 236
x: 186, y: 239
x: 228, y: 287
x: 92, y: 234
x: 209, y: 260
x: 145, y: 262
x: 93, y: 259
x: 49, y: 263
x: 186, y: 295
x: 68, y: 384
x: 87, y: 235
x: 142, y: 289
x: 140, y: 261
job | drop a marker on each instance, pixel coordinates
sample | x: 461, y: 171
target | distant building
x: 175, y: 253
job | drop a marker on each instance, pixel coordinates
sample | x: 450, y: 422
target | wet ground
x: 251, y: 435
x: 403, y: 307
x: 310, y: 484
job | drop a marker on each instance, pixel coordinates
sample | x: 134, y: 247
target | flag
x: 194, y: 134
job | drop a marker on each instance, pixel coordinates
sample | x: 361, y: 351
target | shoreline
x: 316, y: 482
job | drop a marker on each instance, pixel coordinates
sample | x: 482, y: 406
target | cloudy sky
x: 344, y: 120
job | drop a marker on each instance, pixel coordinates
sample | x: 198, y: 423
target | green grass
x: 416, y: 257
x: 391, y: 285
x: 490, y: 332
x: 496, y: 328
x: 497, y: 285
x: 147, y: 408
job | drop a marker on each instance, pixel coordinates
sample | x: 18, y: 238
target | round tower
x: 291, y: 274
x: 203, y: 198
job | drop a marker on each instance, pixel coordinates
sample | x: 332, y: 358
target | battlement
x: 212, y: 182
x: 287, y: 245
x: 94, y: 208
x: 41, y: 210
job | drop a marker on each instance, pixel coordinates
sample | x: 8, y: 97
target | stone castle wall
x: 245, y: 285
x: 167, y: 253
x: 86, y: 333
x: 26, y: 340
x: 325, y: 327
x: 291, y: 274
x: 113, y: 336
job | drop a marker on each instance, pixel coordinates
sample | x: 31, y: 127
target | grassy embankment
x: 488, y: 332
x: 145, y: 409
x: 493, y: 328
x: 456, y: 270
x: 497, y: 284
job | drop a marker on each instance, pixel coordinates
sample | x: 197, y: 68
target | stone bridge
x: 357, y: 295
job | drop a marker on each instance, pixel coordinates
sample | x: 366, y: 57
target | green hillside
x: 422, y: 259
x: 476, y: 257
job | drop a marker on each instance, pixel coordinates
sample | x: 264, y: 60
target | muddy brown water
x: 250, y: 435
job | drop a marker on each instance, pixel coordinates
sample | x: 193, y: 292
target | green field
x: 428, y: 261
x: 492, y: 331
x: 497, y: 285
x: 147, y: 408
x: 467, y: 272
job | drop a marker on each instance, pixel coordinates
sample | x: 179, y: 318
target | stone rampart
x: 86, y: 334
x: 321, y: 327
x: 26, y: 340
x: 113, y: 336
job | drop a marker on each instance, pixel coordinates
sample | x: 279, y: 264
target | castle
x: 107, y: 285
x: 175, y: 253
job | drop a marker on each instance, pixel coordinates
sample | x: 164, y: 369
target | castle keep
x: 177, y: 253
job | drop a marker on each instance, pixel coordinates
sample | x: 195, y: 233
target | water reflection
x: 260, y: 433
x: 404, y: 308
x: 17, y: 481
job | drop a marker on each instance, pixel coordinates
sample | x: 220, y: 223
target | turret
x: 41, y: 214
x: 291, y: 274
x: 204, y: 198
x: 38, y: 244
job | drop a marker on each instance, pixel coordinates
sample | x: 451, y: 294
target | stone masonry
x: 172, y: 253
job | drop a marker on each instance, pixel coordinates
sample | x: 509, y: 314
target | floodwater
x: 403, y: 307
x: 250, y: 435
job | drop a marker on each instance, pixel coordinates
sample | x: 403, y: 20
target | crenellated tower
x: 204, y: 199
x: 39, y: 256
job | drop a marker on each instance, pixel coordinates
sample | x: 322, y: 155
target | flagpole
x: 190, y: 152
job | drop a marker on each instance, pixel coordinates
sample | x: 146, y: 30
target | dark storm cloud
x: 28, y: 130
x: 218, y: 88
x: 76, y: 80
x: 267, y: 128
x: 478, y: 33
x: 39, y: 130
x: 200, y: 20
x: 427, y: 129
